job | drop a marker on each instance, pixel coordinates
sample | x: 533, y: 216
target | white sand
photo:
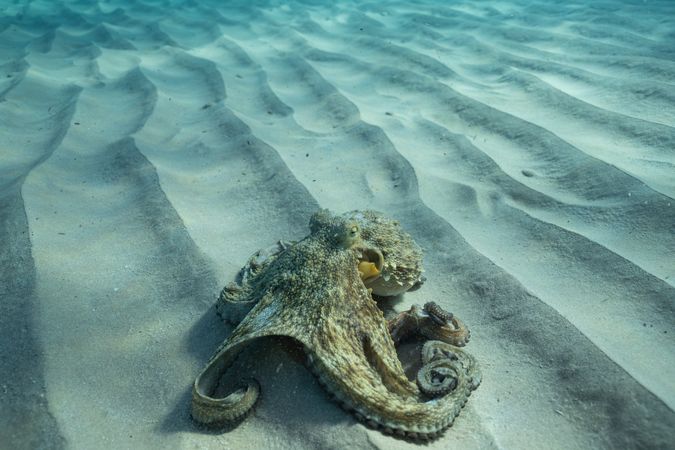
x: 147, y: 148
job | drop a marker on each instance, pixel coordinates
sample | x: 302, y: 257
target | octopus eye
x: 346, y: 234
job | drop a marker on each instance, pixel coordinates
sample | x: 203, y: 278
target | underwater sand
x: 147, y: 148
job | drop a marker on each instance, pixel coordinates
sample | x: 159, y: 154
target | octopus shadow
x: 202, y: 340
x: 277, y: 363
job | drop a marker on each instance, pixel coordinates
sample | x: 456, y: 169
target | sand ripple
x: 148, y: 147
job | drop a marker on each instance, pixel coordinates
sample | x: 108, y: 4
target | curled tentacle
x: 434, y: 350
x: 437, y: 378
x: 437, y: 314
x: 442, y: 325
x: 454, y: 332
x: 218, y: 411
x: 439, y: 372
x: 230, y: 307
x: 444, y: 367
x: 431, y: 322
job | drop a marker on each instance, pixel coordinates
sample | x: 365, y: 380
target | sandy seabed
x: 147, y: 148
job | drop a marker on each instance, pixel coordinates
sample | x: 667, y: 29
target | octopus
x: 321, y: 291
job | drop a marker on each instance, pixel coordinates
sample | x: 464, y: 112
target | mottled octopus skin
x: 425, y: 322
x: 402, y: 265
x: 311, y: 291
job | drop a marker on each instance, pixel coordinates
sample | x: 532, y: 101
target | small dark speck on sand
x: 306, y: 155
x: 207, y: 106
x: 62, y: 234
x: 527, y: 173
x: 388, y: 113
x: 239, y: 76
x: 9, y: 75
x: 76, y: 123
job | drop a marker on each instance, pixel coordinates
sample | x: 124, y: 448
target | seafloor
x: 147, y: 148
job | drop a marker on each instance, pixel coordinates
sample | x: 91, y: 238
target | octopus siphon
x: 320, y: 291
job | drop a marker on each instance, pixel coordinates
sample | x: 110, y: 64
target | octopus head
x: 401, y: 270
x: 344, y: 233
x: 337, y: 231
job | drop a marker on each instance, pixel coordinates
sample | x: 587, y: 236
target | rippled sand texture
x: 148, y: 147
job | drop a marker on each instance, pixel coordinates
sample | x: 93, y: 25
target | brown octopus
x: 319, y: 291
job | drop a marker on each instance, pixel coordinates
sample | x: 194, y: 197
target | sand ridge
x: 150, y: 146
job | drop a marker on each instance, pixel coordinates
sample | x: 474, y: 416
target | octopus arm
x: 212, y: 410
x: 208, y: 406
x: 412, y: 415
x: 356, y: 362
